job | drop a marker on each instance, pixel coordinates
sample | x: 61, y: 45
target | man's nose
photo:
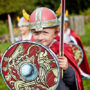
x: 40, y: 37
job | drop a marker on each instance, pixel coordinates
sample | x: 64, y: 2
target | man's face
x: 45, y: 36
x: 66, y: 25
x: 23, y: 30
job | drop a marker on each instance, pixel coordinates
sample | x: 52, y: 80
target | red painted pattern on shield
x: 11, y: 67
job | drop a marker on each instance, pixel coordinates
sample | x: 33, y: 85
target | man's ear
x: 56, y: 32
x: 68, y: 24
x: 58, y: 28
x: 31, y: 30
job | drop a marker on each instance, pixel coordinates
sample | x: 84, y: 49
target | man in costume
x: 44, y: 26
x: 24, y: 31
x: 71, y: 37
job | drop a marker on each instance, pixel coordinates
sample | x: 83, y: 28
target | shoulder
x: 67, y: 47
x: 73, y: 33
x: 55, y: 47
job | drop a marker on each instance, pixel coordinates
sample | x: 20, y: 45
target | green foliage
x: 3, y: 28
x: 4, y: 46
x: 16, y: 6
x: 9, y: 6
x: 86, y: 83
x: 85, y: 38
x: 2, y: 84
x: 75, y: 6
x: 52, y: 4
x: 86, y: 12
x: 88, y: 58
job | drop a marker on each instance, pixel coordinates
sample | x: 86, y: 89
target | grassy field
x: 86, y: 42
x: 86, y: 38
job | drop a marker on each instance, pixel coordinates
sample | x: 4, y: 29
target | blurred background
x: 79, y: 12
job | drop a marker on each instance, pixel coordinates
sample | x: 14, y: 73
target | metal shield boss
x: 28, y: 65
x: 78, y: 53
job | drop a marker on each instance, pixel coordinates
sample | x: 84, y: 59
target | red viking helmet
x: 42, y: 18
x: 22, y: 22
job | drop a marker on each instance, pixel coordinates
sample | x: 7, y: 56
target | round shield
x: 28, y: 65
x: 78, y: 53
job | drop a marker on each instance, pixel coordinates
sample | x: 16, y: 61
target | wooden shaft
x: 61, y: 45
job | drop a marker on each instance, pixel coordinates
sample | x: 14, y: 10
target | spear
x: 10, y: 28
x: 61, y: 45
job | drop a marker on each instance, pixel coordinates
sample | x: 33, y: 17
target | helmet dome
x: 22, y: 22
x: 41, y: 18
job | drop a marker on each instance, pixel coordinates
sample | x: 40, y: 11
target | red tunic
x: 84, y: 65
x: 69, y: 54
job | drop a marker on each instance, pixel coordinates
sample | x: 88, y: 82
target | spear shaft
x: 61, y: 45
x: 10, y: 28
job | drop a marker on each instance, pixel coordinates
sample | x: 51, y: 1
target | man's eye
x: 36, y: 33
x: 45, y: 32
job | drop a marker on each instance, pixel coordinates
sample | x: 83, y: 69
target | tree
x: 16, y: 6
x: 73, y: 6
x: 9, y: 6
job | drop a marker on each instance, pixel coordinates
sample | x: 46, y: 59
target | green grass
x: 3, y: 28
x: 2, y: 84
x: 86, y: 38
x: 4, y: 46
x: 86, y: 83
x: 86, y: 42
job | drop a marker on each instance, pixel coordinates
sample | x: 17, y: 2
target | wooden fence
x: 77, y: 23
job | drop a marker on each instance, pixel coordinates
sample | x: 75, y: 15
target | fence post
x: 77, y: 24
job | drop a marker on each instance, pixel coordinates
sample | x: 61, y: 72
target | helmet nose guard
x: 43, y: 18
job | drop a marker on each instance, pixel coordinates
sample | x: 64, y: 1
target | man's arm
x: 69, y: 76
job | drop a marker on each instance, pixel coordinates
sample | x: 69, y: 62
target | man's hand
x: 63, y: 62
